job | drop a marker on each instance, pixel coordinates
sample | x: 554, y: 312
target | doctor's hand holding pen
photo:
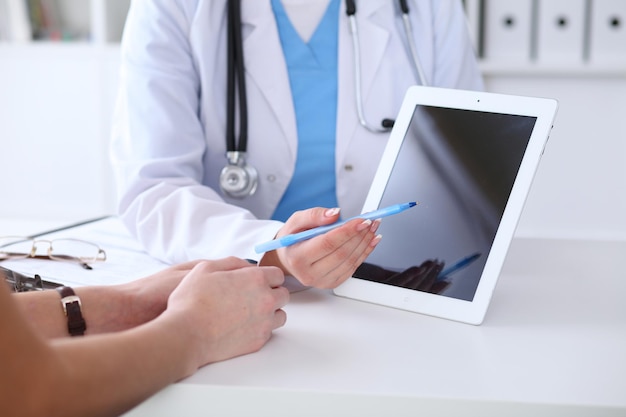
x: 328, y: 259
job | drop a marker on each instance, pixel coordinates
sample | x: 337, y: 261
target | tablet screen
x: 460, y: 166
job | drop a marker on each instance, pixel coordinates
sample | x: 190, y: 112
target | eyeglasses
x: 68, y: 250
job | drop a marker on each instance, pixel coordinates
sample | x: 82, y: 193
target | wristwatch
x: 76, y: 325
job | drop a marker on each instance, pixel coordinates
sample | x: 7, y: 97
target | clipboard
x: 22, y: 283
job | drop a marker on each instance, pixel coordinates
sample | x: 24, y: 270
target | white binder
x: 560, y: 31
x: 607, y: 43
x: 507, y: 30
x: 18, y: 21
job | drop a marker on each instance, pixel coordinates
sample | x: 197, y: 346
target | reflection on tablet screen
x: 460, y: 165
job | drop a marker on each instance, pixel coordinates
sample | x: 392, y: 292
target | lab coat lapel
x: 373, y: 42
x: 265, y: 64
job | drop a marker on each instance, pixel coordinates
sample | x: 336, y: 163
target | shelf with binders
x: 27, y: 22
x: 549, y: 37
x: 530, y: 68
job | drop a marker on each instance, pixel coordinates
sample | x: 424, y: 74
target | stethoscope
x: 238, y: 179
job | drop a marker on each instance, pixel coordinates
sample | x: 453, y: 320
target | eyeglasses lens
x: 70, y: 249
x: 15, y: 247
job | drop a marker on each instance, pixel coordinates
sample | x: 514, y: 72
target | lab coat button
x: 348, y: 167
x: 271, y: 178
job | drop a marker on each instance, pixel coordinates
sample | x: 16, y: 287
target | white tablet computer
x: 468, y: 158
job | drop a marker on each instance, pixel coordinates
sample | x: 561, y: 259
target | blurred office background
x: 59, y: 69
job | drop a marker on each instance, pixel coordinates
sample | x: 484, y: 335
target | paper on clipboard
x: 126, y: 260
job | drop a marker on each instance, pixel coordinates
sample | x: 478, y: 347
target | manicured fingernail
x: 376, y: 240
x: 375, y: 225
x: 331, y: 212
x: 364, y: 225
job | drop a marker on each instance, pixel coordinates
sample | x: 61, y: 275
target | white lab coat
x: 168, y: 145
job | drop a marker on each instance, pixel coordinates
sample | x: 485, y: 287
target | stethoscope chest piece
x: 238, y: 179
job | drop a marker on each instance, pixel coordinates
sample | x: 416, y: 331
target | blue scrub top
x: 312, y: 69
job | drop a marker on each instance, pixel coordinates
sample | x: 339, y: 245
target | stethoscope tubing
x: 357, y: 78
x: 236, y: 89
x: 408, y: 30
x: 236, y: 82
x: 419, y: 72
x: 236, y: 71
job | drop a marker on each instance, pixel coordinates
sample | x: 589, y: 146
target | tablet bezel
x: 472, y: 312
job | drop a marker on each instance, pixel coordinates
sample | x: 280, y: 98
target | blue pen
x: 462, y: 263
x: 311, y: 233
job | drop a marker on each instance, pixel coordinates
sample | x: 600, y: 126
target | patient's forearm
x: 105, y: 309
x: 106, y: 374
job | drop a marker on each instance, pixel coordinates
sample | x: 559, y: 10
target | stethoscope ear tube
x: 404, y: 7
x: 236, y: 81
x: 408, y: 30
x: 357, y: 77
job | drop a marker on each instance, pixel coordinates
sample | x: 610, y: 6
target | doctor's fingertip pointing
x: 311, y: 233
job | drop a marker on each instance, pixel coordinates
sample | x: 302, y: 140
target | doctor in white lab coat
x: 169, y: 145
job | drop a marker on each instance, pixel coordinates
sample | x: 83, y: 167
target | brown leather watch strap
x: 76, y: 325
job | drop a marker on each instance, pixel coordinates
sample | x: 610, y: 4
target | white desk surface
x: 553, y: 343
